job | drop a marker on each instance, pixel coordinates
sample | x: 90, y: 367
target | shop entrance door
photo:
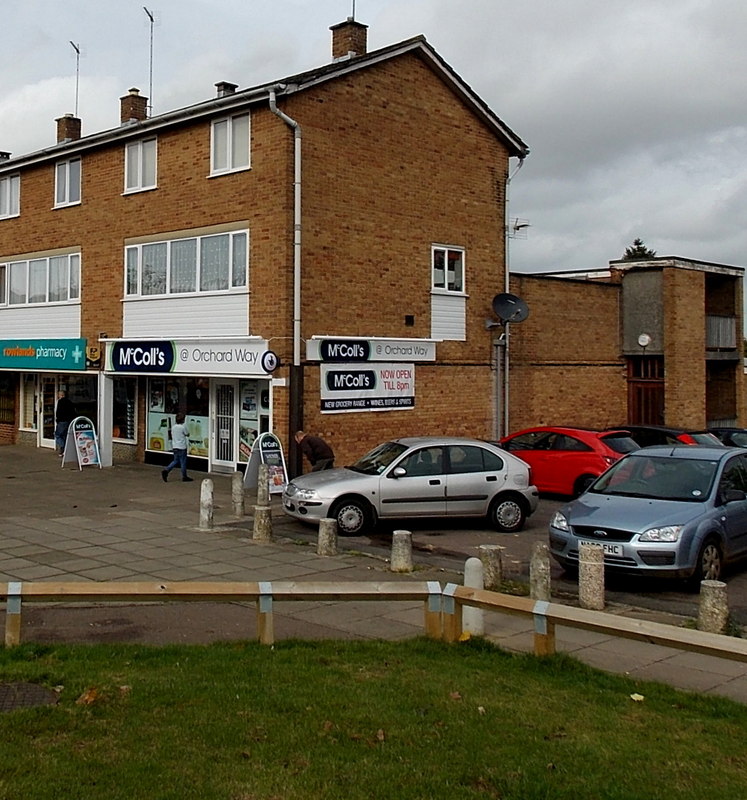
x: 48, y: 399
x: 223, y: 413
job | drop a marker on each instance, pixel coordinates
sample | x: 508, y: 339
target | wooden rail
x: 442, y: 608
x: 263, y: 594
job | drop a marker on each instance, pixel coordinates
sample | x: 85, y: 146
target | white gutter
x: 296, y: 222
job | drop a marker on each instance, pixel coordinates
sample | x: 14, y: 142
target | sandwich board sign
x: 81, y: 444
x: 267, y: 450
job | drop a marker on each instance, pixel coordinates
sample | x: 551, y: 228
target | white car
x: 426, y: 476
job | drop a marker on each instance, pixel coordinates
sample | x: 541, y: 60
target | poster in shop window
x: 81, y: 444
x: 267, y: 450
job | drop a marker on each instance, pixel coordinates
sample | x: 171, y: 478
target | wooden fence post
x: 13, y: 615
x: 452, y: 614
x: 433, y: 623
x: 544, y: 630
x: 265, y: 622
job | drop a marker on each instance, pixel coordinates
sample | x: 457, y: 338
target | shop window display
x: 123, y: 409
x: 8, y: 399
x: 166, y: 398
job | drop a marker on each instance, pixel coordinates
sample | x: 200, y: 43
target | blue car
x: 663, y: 511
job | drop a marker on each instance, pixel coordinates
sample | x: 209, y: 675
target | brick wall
x: 566, y: 366
x: 684, y: 348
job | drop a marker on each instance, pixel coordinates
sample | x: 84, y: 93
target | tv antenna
x: 76, y: 47
x: 150, y: 63
x: 352, y: 16
x: 517, y: 228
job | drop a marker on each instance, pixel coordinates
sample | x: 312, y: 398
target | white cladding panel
x: 40, y: 322
x: 448, y: 317
x: 201, y: 315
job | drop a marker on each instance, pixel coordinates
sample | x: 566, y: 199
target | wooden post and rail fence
x: 442, y: 608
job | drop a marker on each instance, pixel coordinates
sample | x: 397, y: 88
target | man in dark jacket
x: 64, y: 414
x: 318, y: 452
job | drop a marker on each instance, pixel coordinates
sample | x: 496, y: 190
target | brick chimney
x: 349, y: 39
x: 225, y: 88
x: 68, y: 128
x: 133, y: 107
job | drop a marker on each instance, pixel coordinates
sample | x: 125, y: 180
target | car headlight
x: 669, y: 533
x: 560, y: 522
x: 293, y: 490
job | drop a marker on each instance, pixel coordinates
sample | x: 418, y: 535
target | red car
x: 567, y: 460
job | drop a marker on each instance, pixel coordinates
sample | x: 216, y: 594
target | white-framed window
x: 448, y: 268
x: 10, y: 196
x: 194, y: 265
x: 229, y: 146
x: 67, y: 183
x: 140, y: 165
x: 55, y: 279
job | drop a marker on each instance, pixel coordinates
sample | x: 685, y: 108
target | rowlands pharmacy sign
x: 31, y: 354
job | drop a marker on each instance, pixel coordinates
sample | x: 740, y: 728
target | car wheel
x: 583, y: 482
x: 353, y: 516
x: 708, y: 565
x: 507, y: 514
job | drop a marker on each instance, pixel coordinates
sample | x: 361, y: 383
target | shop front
x: 36, y: 370
x: 222, y: 386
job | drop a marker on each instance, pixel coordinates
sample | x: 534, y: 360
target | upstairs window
x: 40, y: 280
x: 140, y: 165
x: 229, y: 148
x: 448, y: 268
x: 10, y: 193
x: 67, y: 183
x: 200, y: 264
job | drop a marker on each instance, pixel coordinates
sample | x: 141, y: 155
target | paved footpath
x: 125, y: 524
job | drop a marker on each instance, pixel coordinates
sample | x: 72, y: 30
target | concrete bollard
x: 326, y: 544
x: 401, y: 552
x: 262, y: 524
x: 206, y: 505
x: 492, y: 565
x: 539, y: 572
x: 473, y: 619
x: 237, y: 493
x: 713, y: 610
x: 263, y: 485
x: 591, y: 576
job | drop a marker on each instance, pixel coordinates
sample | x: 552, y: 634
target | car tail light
x: 686, y: 438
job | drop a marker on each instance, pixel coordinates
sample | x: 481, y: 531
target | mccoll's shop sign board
x: 240, y: 356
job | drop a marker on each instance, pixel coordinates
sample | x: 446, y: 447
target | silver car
x: 669, y: 511
x: 418, y: 477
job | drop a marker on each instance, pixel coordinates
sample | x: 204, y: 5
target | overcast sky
x: 634, y: 110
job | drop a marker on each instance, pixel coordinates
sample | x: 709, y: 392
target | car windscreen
x: 704, y: 437
x: 378, y: 459
x: 658, y: 477
x: 620, y: 443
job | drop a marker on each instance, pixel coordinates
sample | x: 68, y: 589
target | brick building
x: 318, y: 252
x: 652, y: 342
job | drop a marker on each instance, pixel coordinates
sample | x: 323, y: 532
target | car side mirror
x: 398, y: 472
x: 732, y: 495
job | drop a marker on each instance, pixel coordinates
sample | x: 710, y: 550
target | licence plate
x: 608, y: 548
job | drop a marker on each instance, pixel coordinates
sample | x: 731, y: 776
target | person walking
x: 320, y: 454
x: 179, y: 444
x: 64, y: 414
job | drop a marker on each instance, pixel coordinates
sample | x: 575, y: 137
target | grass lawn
x: 349, y: 720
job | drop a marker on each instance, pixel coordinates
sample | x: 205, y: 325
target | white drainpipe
x: 296, y: 224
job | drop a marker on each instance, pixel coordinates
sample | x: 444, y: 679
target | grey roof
x: 292, y: 84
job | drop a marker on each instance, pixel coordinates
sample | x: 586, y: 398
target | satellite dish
x: 510, y: 308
